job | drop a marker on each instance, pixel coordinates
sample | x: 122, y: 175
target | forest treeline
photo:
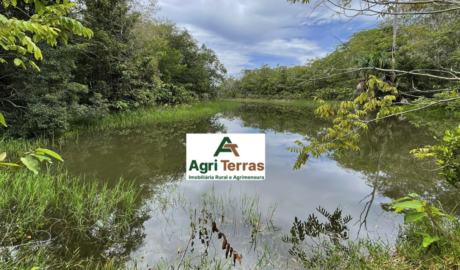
x: 424, y: 42
x: 134, y: 59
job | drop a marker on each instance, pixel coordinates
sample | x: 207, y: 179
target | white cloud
x: 240, y: 30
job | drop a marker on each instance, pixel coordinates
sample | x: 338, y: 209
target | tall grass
x: 406, y: 254
x: 146, y: 116
x: 43, y: 215
x: 143, y: 116
x: 140, y: 117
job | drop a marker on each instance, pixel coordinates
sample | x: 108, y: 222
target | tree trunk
x: 395, y: 30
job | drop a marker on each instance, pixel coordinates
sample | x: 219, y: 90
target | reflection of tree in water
x: 388, y: 167
x: 334, y: 230
x: 148, y: 156
x: 279, y: 118
x: 394, y: 176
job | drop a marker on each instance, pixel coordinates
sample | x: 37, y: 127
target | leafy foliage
x: 348, y: 120
x: 447, y: 155
x: 48, y: 24
x: 421, y: 210
x: 31, y: 160
x: 132, y: 60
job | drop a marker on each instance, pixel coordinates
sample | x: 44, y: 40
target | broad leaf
x: 2, y: 156
x: 398, y: 200
x: 423, y: 234
x: 42, y: 157
x: 446, y: 216
x: 10, y: 164
x: 428, y: 240
x: 2, y: 120
x: 410, y: 204
x: 414, y: 217
x: 49, y: 153
x: 31, y: 163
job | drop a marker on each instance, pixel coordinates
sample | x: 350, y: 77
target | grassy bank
x: 147, y: 116
x: 49, y: 220
x: 140, y: 117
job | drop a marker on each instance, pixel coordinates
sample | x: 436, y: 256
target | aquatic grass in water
x: 140, y: 117
x: 145, y: 116
x: 51, y: 215
x: 216, y: 219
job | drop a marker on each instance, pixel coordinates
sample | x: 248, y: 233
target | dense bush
x: 132, y: 60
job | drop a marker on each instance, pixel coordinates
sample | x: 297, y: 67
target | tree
x: 350, y: 117
x: 48, y: 24
x: 19, y: 37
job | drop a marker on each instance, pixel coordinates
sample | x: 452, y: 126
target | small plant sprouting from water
x: 335, y: 230
x: 205, y: 233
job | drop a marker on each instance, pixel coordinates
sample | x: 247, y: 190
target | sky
x: 248, y: 33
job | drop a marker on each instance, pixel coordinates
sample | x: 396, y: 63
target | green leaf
x: 414, y: 217
x: 428, y: 240
x: 42, y: 157
x: 423, y: 234
x: 410, y: 204
x: 31, y: 163
x: 32, y: 63
x: 17, y: 61
x: 2, y: 156
x: 398, y: 200
x: 16, y: 168
x: 10, y: 164
x: 49, y: 153
x: 39, y: 7
x: 2, y: 120
x: 446, y: 216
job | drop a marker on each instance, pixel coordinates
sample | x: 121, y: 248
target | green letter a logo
x: 221, y: 148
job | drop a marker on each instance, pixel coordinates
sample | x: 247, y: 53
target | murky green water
x: 360, y: 183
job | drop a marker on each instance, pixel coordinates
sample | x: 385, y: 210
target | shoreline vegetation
x: 126, y: 119
x: 39, y: 213
x: 54, y: 207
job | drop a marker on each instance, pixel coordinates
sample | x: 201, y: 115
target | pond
x: 256, y: 216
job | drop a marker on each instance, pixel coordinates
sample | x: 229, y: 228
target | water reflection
x: 361, y: 182
x: 149, y: 155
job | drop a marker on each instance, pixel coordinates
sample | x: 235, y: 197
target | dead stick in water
x: 189, y: 240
